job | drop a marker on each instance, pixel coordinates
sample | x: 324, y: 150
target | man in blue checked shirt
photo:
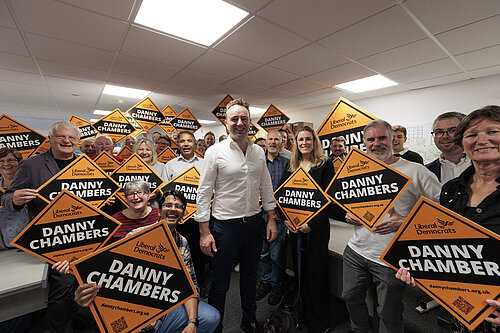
x: 272, y: 258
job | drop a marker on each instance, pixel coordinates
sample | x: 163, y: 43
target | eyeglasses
x: 9, y: 160
x: 60, y: 137
x: 440, y: 133
x: 171, y: 205
x: 132, y: 194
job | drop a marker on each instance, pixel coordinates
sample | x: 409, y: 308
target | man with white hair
x: 105, y: 143
x: 362, y: 265
x: 31, y: 174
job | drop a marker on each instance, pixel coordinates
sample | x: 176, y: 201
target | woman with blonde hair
x: 314, y: 236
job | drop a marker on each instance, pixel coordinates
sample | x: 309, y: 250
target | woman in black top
x: 315, y: 234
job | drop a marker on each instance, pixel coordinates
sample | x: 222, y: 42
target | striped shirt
x: 129, y: 224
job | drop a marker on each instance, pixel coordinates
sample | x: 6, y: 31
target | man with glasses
x: 162, y: 143
x: 31, y: 174
x: 104, y: 143
x: 452, y: 160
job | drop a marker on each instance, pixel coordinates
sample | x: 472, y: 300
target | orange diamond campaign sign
x: 300, y: 198
x: 83, y: 178
x: 452, y: 259
x: 68, y: 228
x: 106, y: 162
x: 345, y: 119
x: 272, y: 119
x: 167, y: 154
x: 85, y: 127
x: 146, y: 114
x: 252, y: 130
x: 185, y: 121
x: 142, y: 277
x: 43, y: 147
x: 135, y: 169
x: 187, y: 183
x: 15, y: 135
x: 125, y: 152
x: 220, y: 110
x: 115, y: 125
x: 366, y: 187
x: 169, y: 114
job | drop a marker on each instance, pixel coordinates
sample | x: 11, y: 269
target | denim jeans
x: 233, y: 237
x: 272, y: 258
x: 358, y: 274
x: 177, y: 319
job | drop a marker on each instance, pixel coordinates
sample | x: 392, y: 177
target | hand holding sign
x: 403, y: 275
x: 22, y: 196
x: 351, y: 219
x: 495, y: 316
x: 85, y: 294
x: 392, y: 224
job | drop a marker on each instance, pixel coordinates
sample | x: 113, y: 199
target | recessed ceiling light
x: 254, y: 110
x: 102, y: 112
x: 200, y: 21
x: 110, y: 89
x: 367, y: 84
x: 206, y: 122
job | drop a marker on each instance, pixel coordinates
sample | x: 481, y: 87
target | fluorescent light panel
x: 102, y: 112
x: 93, y: 120
x: 366, y: 84
x: 110, y: 89
x: 200, y: 21
x: 206, y: 122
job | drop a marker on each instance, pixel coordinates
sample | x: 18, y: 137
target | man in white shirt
x: 235, y: 169
x: 361, y: 255
x: 452, y: 161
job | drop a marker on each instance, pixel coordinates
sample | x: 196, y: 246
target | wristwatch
x: 195, y: 321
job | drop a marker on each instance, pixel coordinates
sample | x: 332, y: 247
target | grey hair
x: 380, y: 122
x: 104, y: 136
x: 67, y: 125
x: 136, y: 185
x: 446, y: 115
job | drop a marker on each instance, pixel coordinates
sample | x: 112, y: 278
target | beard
x: 381, y: 152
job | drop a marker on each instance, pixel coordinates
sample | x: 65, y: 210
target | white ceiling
x: 286, y: 52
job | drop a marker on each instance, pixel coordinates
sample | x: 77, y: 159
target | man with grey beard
x: 361, y: 255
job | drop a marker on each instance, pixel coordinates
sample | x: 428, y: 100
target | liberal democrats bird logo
x: 443, y: 223
x: 161, y: 248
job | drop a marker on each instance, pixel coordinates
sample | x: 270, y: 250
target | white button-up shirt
x: 239, y: 181
x: 450, y: 170
x: 178, y: 165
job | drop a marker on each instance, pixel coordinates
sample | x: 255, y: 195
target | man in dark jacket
x: 30, y: 175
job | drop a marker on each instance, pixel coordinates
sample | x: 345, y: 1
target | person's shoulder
x: 434, y: 163
x: 154, y: 211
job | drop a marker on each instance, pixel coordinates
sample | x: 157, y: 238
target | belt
x: 246, y: 218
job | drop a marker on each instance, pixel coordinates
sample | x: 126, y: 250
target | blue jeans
x: 272, y: 259
x: 358, y: 274
x: 177, y: 319
x: 233, y: 237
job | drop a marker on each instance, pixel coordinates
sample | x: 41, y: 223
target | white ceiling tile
x: 134, y: 82
x: 145, y: 44
x: 299, y: 86
x: 388, y: 29
x: 290, y: 102
x: 162, y: 100
x: 46, y: 17
x: 436, y: 81
x: 17, y: 62
x: 316, y: 19
x: 330, y: 94
x: 471, y: 37
x: 419, y: 52
x: 260, y: 41
x: 438, y: 16
x: 18, y: 77
x: 109, y: 103
x: 59, y: 70
x: 26, y: 93
x: 487, y: 71
x: 119, y: 9
x: 5, y: 18
x: 11, y: 41
x: 384, y: 91
x: 221, y: 64
x: 181, y: 91
x: 481, y: 58
x: 249, y: 5
x: 197, y: 80
x: 144, y: 68
x: 341, y: 74
x: 308, y: 60
x: 266, y: 77
x: 424, y: 71
x: 56, y: 50
x: 236, y: 89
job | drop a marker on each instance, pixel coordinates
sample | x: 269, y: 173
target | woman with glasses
x: 11, y: 222
x: 138, y: 213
